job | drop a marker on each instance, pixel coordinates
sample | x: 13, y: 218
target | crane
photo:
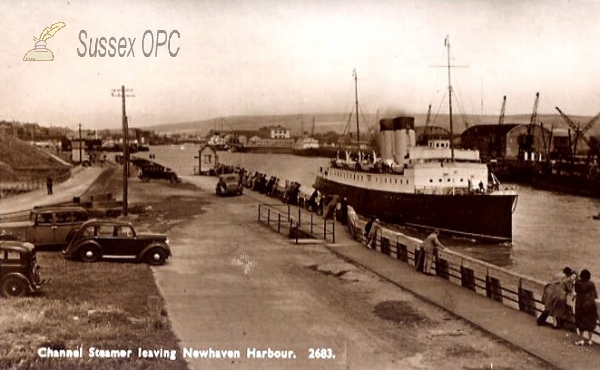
x: 578, y: 132
x: 497, y: 150
x: 526, y: 144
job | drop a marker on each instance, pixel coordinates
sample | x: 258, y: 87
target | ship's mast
x: 447, y: 44
x: 356, y: 101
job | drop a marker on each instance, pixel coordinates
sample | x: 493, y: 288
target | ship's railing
x: 299, y: 222
x: 514, y: 290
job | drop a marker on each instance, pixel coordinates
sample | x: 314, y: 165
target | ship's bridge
x: 439, y: 150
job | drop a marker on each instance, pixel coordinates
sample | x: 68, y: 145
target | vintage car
x: 229, y: 184
x: 47, y: 226
x: 19, y: 272
x: 97, y: 239
x: 157, y: 172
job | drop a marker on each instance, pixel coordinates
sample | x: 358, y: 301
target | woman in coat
x: 586, y: 312
x: 554, y: 298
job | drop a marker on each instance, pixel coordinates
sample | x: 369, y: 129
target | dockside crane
x: 497, y: 142
x: 579, y: 133
x: 427, y: 130
x: 526, y: 144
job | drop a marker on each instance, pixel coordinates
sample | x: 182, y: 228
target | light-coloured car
x: 47, y: 226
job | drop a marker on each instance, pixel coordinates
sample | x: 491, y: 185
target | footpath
x: 556, y: 347
x: 81, y: 179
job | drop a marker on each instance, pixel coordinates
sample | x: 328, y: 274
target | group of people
x: 555, y: 296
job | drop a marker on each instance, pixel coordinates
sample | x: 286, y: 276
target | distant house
x: 275, y: 132
x: 207, y: 160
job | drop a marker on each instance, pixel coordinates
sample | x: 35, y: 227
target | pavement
x: 553, y: 346
x: 81, y: 179
x: 556, y: 347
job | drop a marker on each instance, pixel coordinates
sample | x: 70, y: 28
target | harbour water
x: 550, y: 230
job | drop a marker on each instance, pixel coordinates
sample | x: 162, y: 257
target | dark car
x: 229, y: 184
x: 155, y: 171
x: 96, y: 239
x: 19, y: 272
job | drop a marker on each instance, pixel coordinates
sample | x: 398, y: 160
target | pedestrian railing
x: 284, y: 217
x: 517, y: 291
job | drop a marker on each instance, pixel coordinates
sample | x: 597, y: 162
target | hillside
x: 340, y: 122
x: 19, y: 161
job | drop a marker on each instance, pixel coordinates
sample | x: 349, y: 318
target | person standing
x: 367, y: 229
x: 586, y: 312
x: 430, y: 246
x: 372, y: 234
x: 49, y: 184
x: 554, y: 298
x: 344, y: 211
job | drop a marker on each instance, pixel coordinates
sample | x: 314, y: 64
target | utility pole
x: 356, y: 102
x: 80, y: 150
x: 121, y: 93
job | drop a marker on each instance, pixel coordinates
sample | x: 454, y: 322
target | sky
x: 297, y: 57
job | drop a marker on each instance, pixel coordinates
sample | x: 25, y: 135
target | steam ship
x: 433, y: 186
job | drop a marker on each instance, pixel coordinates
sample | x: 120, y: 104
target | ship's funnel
x: 386, y: 139
x: 404, y: 137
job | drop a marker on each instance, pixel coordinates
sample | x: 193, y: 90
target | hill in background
x: 341, y: 123
x: 22, y: 161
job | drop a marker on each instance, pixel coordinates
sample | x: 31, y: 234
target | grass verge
x: 106, y: 305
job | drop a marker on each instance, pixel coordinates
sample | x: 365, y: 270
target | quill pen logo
x: 40, y: 53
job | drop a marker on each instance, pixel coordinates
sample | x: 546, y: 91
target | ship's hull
x: 265, y: 149
x: 566, y: 178
x: 327, y: 152
x: 485, y: 217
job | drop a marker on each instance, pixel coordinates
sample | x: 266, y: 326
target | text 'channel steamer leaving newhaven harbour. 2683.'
x: 433, y: 186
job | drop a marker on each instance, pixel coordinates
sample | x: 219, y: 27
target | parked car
x: 157, y: 172
x: 47, y: 226
x: 96, y: 239
x: 229, y: 184
x: 19, y: 271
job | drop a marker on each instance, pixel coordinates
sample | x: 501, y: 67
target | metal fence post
x: 259, y: 212
x: 299, y: 217
x: 333, y: 231
x: 324, y: 228
x: 278, y: 222
x: 297, y: 231
x: 311, y: 222
x: 268, y: 216
x: 289, y: 216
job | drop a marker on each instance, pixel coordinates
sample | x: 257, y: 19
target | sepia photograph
x: 302, y: 184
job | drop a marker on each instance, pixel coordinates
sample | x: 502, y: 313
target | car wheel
x: 13, y: 286
x: 89, y: 253
x: 156, y: 256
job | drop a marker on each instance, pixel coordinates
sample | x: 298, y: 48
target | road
x: 234, y: 285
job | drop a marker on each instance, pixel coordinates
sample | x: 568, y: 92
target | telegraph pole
x: 121, y: 93
x: 80, y: 154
